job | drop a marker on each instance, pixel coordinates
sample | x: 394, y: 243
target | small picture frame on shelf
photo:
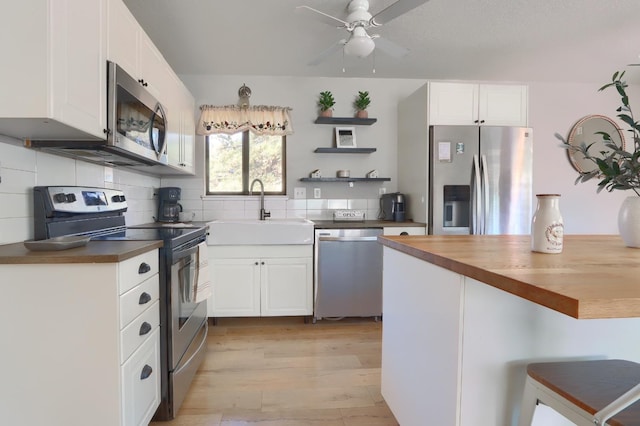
x: 345, y: 137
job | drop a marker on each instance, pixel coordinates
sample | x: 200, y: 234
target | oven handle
x: 177, y: 255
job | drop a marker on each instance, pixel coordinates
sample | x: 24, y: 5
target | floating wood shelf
x: 345, y: 150
x: 344, y: 179
x: 346, y: 120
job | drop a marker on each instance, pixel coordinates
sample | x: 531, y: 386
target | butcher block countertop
x: 595, y: 276
x: 93, y: 252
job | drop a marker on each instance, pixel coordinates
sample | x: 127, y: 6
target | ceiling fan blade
x: 394, y: 10
x: 327, y: 19
x: 330, y: 51
x: 390, y: 48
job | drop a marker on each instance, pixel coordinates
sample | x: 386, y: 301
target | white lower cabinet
x: 261, y: 280
x: 141, y: 382
x: 83, y: 342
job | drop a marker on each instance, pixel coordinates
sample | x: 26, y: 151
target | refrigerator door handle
x: 484, y: 169
x: 476, y: 200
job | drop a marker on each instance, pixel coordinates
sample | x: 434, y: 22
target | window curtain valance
x: 260, y: 119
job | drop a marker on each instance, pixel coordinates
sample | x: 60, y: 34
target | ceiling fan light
x: 360, y: 46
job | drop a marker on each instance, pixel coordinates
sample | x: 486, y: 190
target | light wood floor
x: 283, y: 372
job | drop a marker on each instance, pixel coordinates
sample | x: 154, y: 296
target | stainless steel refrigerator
x: 480, y: 180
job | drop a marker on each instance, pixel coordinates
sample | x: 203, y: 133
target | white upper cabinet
x: 181, y: 129
x: 477, y: 104
x: 53, y: 69
x: 130, y: 47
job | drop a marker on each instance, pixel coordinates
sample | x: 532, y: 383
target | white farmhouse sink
x: 260, y: 232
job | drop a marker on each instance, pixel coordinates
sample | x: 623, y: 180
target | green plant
x: 616, y: 168
x: 326, y: 101
x: 362, y: 101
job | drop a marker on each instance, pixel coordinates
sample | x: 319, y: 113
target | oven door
x: 187, y: 316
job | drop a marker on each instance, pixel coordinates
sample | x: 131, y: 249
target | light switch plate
x: 299, y: 193
x: 317, y: 193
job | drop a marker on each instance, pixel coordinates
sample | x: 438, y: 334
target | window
x: 233, y: 161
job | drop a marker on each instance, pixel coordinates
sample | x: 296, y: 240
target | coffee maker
x: 393, y: 207
x: 168, y: 206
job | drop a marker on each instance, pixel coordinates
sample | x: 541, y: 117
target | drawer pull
x: 145, y: 328
x: 146, y: 372
x: 144, y: 298
x: 144, y: 268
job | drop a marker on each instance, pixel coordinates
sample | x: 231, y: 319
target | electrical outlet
x: 382, y: 190
x: 299, y: 193
x: 317, y: 193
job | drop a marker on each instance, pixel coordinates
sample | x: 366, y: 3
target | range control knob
x: 64, y: 198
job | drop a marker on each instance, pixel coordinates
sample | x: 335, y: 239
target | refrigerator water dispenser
x: 456, y: 206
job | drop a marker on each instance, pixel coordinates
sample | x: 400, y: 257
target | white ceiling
x: 509, y: 40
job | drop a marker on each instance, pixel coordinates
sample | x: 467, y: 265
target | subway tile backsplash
x: 280, y: 208
x: 21, y: 169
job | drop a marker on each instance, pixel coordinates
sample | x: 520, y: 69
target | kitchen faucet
x: 263, y: 212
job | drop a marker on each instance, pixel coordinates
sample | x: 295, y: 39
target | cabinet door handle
x: 146, y: 372
x: 476, y: 121
x: 144, y: 298
x: 145, y: 328
x: 262, y: 263
x: 144, y: 268
x: 481, y: 121
x: 256, y: 263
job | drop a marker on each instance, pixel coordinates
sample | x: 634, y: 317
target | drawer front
x: 139, y: 330
x: 141, y: 383
x: 138, y: 299
x: 132, y: 272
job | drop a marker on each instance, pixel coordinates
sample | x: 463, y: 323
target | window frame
x: 246, y: 148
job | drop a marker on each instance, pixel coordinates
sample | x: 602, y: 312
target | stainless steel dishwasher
x: 348, y: 273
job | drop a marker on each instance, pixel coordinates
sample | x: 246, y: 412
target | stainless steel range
x: 99, y: 213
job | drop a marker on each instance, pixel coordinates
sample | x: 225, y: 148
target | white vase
x: 547, y: 227
x: 629, y: 221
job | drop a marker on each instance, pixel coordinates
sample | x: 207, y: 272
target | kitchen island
x: 464, y: 315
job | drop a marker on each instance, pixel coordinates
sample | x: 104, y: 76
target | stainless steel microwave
x: 135, y: 136
x: 136, y: 120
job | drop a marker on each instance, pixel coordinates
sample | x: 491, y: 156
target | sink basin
x: 260, y: 232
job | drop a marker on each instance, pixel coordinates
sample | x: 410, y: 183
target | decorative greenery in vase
x: 361, y: 103
x: 616, y: 168
x: 326, y: 103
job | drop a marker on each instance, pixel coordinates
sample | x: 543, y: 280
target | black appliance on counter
x: 393, y: 207
x: 168, y: 206
x: 99, y: 213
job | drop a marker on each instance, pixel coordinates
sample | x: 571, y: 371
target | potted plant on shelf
x: 617, y: 168
x: 361, y: 103
x: 326, y: 103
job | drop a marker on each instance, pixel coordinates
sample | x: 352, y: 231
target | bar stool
x: 585, y: 392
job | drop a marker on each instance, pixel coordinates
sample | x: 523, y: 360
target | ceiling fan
x: 360, y: 43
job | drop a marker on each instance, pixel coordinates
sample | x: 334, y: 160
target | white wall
x: 301, y: 95
x: 553, y: 108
